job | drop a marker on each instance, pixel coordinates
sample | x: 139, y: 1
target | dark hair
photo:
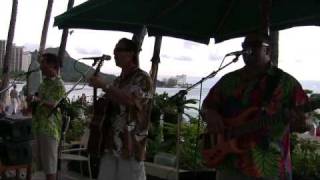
x: 130, y: 45
x: 52, y: 59
x: 258, y: 37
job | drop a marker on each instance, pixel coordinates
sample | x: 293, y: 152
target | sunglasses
x: 256, y: 44
x: 121, y: 49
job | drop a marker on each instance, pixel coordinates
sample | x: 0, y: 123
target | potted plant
x: 162, y: 140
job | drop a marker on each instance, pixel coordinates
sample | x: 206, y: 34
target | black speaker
x: 15, y: 129
x: 16, y: 153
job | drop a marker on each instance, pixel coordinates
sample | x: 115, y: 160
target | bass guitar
x: 237, y: 138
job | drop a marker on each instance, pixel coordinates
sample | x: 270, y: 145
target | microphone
x: 103, y: 57
x: 32, y: 71
x: 238, y: 53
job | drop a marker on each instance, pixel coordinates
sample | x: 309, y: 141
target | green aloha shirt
x: 50, y: 90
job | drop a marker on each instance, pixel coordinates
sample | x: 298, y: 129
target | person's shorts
x: 45, y: 153
x: 112, y: 167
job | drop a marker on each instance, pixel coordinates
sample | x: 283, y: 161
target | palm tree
x: 7, y: 56
x: 45, y: 27
x: 64, y: 36
x: 34, y: 79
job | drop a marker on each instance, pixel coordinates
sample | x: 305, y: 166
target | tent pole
x: 265, y: 16
x: 155, y: 61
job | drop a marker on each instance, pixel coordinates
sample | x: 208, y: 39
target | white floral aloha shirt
x: 127, y: 126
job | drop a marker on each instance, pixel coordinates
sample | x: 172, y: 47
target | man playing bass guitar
x: 252, y: 112
x: 127, y: 120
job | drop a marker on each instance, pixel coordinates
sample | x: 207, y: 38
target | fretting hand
x: 97, y: 81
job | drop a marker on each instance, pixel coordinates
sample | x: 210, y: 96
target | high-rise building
x: 16, y: 61
x: 181, y: 79
x: 26, y: 60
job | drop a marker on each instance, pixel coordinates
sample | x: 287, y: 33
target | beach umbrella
x: 196, y: 20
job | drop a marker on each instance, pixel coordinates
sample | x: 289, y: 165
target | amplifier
x: 16, y: 153
x: 15, y: 129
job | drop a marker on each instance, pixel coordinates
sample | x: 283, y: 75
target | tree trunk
x: 45, y: 28
x: 34, y: 79
x: 274, y: 43
x: 7, y: 56
x: 64, y: 37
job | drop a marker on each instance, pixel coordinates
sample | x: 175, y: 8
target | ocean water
x: 195, y: 93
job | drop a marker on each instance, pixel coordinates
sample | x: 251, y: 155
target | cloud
x: 178, y: 58
x: 214, y: 57
x: 165, y: 56
x: 88, y: 51
x: 189, y: 44
x: 298, y: 61
x: 30, y: 46
x: 182, y: 58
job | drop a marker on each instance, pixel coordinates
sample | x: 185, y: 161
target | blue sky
x: 299, y: 47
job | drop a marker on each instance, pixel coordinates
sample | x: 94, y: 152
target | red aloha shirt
x: 128, y: 125
x: 270, y: 155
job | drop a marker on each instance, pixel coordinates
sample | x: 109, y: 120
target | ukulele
x: 241, y: 128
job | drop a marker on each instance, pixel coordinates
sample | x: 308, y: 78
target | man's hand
x: 97, y: 82
x: 33, y: 98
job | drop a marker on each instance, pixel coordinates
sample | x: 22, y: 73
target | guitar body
x: 222, y: 145
x: 237, y: 137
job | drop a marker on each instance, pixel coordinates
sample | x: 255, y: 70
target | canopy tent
x: 189, y: 19
x: 192, y: 20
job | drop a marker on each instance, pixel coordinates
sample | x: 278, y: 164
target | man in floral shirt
x: 264, y: 99
x: 46, y: 123
x: 128, y: 120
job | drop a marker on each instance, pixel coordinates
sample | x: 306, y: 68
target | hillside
x: 69, y: 73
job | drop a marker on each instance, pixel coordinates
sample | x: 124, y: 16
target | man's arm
x: 210, y: 113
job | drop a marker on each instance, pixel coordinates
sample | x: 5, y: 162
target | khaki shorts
x: 45, y: 153
x: 112, y: 167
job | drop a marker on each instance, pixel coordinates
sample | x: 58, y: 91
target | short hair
x: 263, y: 38
x: 131, y: 46
x: 52, y: 59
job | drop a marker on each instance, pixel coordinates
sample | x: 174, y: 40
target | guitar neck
x: 252, y: 126
x: 265, y: 120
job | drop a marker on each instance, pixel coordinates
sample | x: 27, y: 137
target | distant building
x: 17, y: 62
x: 181, y: 79
x: 26, y: 60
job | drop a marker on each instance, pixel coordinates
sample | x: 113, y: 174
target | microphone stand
x: 15, y: 79
x: 66, y: 123
x: 178, y: 99
x: 66, y: 95
x: 99, y: 61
